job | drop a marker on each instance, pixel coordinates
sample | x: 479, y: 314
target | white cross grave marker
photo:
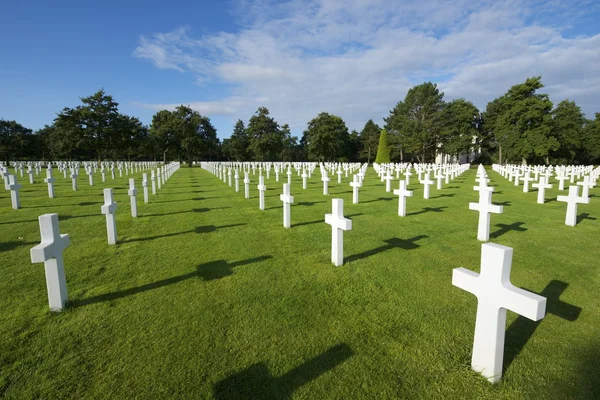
x: 261, y: 192
x: 426, y: 183
x: 485, y: 207
x: 339, y: 224
x: 325, y: 180
x: 402, y: 194
x: 109, y: 209
x: 153, y: 180
x: 50, y: 252
x: 304, y: 176
x: 542, y: 185
x: 355, y: 185
x: 388, y: 181
x: 287, y: 200
x: 572, y: 200
x: 145, y: 186
x: 14, y: 188
x: 246, y: 185
x: 50, y: 181
x: 495, y: 294
x: 132, y: 192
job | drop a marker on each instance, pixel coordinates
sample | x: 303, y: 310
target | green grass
x: 206, y: 296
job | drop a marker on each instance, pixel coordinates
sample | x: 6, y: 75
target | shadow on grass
x: 393, y: 243
x: 257, y: 383
x: 323, y: 220
x: 444, y: 195
x: 428, y: 209
x: 208, y: 271
x: 18, y: 222
x: 522, y: 329
x: 309, y: 203
x: 584, y: 216
x: 8, y: 246
x: 199, y: 229
x: 196, y: 210
x: 378, y: 199
x: 503, y: 203
x: 504, y: 228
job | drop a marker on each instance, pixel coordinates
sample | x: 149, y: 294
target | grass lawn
x: 205, y: 296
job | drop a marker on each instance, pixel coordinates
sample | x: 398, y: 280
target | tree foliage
x: 327, y: 138
x: 383, y: 151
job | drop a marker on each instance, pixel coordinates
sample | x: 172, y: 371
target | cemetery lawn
x: 205, y: 296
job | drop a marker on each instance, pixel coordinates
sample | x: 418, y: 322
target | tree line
x: 523, y: 125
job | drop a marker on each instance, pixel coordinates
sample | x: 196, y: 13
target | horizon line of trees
x: 521, y: 126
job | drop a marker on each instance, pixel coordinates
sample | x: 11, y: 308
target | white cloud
x: 358, y: 58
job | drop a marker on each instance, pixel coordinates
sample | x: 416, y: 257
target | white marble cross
x: 402, y: 194
x: 287, y: 199
x: 90, y: 173
x: 526, y: 180
x: 103, y: 174
x: 159, y: 179
x: 339, y: 224
x: 229, y: 176
x: 407, y: 175
x: 339, y: 174
x: 325, y: 180
x: 516, y: 175
x: 261, y: 192
x: 109, y: 209
x: 426, y: 183
x: 586, y: 185
x: 541, y: 186
x: 50, y: 252
x: 355, y: 186
x: 132, y: 192
x: 5, y: 175
x: 561, y: 178
x: 485, y: 207
x: 388, y: 181
x: 495, y: 294
x: 14, y: 188
x: 440, y: 177
x: 246, y: 185
x: 304, y: 176
x: 145, y: 186
x: 236, y: 178
x: 50, y: 181
x: 289, y: 175
x: 572, y: 200
x: 153, y: 180
x: 30, y: 173
x: 74, y: 176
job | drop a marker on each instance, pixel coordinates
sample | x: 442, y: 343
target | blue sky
x: 352, y: 58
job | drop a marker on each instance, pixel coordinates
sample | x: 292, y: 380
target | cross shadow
x: 583, y: 216
x: 322, y: 220
x: 199, y: 229
x: 522, y: 329
x: 550, y: 200
x: 18, y: 222
x: 503, y: 203
x: 378, y: 199
x: 428, y: 209
x: 444, y: 195
x: 8, y: 246
x: 309, y: 203
x: 68, y: 217
x: 226, y: 269
x: 393, y: 243
x: 504, y: 228
x: 195, y: 210
x: 452, y: 187
x: 257, y: 383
